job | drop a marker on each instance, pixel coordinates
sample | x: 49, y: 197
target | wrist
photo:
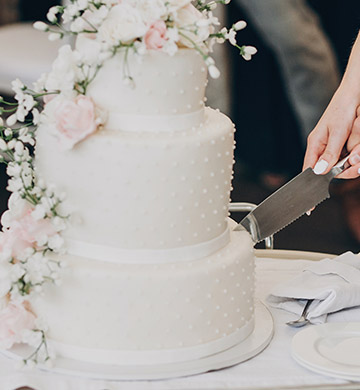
x: 349, y: 90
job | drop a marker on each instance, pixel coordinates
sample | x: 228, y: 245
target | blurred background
x: 275, y: 99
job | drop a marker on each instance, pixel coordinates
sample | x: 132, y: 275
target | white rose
x: 17, y: 207
x: 48, y: 114
x: 110, y: 3
x: 174, y: 5
x: 78, y: 25
x: 64, y: 71
x: 89, y: 49
x: 189, y: 22
x: 123, y: 24
x: 150, y: 10
x: 95, y: 16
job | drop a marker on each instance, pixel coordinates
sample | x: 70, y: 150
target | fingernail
x: 359, y: 171
x: 308, y: 213
x: 355, y: 159
x: 320, y: 167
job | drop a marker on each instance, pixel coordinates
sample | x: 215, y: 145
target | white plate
x: 331, y: 349
x: 251, y: 346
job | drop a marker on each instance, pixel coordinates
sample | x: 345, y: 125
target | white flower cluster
x: 32, y: 228
x: 141, y: 25
x: 25, y: 104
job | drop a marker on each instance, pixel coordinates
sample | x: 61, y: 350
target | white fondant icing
x: 158, y: 356
x: 153, y: 123
x: 152, y: 272
x: 121, y: 184
x: 146, y: 256
x: 163, y: 84
x: 129, y: 307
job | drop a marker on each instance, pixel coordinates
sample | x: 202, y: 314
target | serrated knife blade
x: 289, y: 202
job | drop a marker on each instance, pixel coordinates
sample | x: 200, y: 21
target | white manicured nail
x: 355, y: 159
x: 320, y: 167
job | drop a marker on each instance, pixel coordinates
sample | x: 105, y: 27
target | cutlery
x: 302, y: 320
x: 289, y: 202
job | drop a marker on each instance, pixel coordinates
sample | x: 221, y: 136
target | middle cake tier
x: 147, y: 191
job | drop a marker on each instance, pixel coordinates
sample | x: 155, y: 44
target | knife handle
x: 340, y: 167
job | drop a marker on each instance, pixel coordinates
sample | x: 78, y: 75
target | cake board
x: 247, y: 349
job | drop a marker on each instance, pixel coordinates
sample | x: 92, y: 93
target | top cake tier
x: 167, y: 95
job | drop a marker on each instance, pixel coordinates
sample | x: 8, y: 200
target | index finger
x: 314, y: 150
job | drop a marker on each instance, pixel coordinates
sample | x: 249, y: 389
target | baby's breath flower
x: 52, y: 14
x: 214, y: 72
x: 231, y: 36
x: 55, y: 36
x: 7, y: 132
x: 248, y: 52
x: 3, y: 145
x: 240, y: 25
x: 41, y: 26
x: 11, y: 144
x: 11, y: 120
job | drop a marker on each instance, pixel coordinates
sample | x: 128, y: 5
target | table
x: 274, y: 368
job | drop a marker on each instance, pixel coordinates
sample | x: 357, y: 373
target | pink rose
x: 14, y: 318
x: 23, y: 233
x: 155, y: 38
x: 12, y: 245
x: 75, y: 120
x: 30, y: 229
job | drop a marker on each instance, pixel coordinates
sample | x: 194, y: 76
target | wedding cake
x: 155, y: 273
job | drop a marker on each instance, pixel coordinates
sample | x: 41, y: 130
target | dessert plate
x: 331, y: 349
x: 250, y: 347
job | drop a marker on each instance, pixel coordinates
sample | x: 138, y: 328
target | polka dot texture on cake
x: 143, y: 190
x: 156, y: 273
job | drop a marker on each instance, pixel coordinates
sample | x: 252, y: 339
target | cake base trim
x: 166, y: 356
x: 257, y: 341
x: 147, y: 256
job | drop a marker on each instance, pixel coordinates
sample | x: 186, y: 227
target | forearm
x: 351, y: 80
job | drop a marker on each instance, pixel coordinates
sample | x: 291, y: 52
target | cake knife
x: 289, y: 202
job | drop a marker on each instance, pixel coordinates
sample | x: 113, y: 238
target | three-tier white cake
x: 156, y: 274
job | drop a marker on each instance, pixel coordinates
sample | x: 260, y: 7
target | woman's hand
x: 338, y: 131
x: 353, y: 145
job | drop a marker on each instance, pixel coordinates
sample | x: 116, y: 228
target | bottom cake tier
x: 113, y: 313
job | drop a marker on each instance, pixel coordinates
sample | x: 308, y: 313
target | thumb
x: 354, y: 170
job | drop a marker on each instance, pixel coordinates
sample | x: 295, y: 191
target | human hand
x: 338, y: 131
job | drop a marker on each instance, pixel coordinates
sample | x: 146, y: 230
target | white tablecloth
x: 273, y: 368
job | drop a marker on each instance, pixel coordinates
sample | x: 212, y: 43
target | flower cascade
x: 32, y: 228
x: 33, y: 223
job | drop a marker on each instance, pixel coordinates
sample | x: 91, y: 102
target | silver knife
x: 289, y: 202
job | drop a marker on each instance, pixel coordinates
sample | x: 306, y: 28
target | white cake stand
x: 250, y: 347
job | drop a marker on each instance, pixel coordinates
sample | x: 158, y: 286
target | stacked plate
x: 331, y: 349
